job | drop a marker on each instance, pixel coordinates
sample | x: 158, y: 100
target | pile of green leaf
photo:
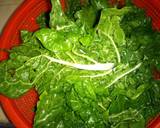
x: 91, y: 67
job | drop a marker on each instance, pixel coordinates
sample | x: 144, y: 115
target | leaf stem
x: 92, y: 67
x: 114, y: 45
x: 71, y: 57
x: 124, y: 74
x: 86, y: 57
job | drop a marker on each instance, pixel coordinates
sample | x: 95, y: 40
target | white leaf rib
x: 124, y: 74
x: 92, y: 67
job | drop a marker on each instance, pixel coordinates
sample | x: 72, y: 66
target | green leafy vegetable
x: 91, y: 67
x: 42, y: 20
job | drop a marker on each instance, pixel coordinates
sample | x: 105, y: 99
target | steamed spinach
x: 91, y: 67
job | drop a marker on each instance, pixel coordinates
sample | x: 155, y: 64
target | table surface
x: 7, y: 7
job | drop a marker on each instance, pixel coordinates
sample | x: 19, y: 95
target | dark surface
x: 6, y: 125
